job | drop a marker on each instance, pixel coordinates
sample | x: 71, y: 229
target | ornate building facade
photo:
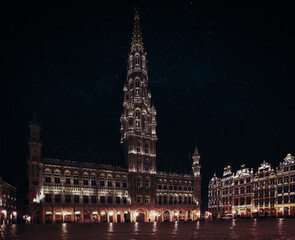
x: 267, y: 192
x: 7, y: 202
x: 70, y: 191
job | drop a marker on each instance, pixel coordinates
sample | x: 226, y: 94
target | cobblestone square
x: 227, y: 229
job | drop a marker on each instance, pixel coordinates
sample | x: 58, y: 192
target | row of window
x: 146, y: 199
x: 281, y: 200
x: 242, y: 201
x: 175, y: 182
x: 264, y: 192
x: 86, y: 199
x: 286, y: 179
x: 241, y: 190
x: 280, y: 180
x: 164, y: 187
x: 173, y: 200
x: 86, y: 181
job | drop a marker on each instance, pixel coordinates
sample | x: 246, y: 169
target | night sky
x: 220, y: 73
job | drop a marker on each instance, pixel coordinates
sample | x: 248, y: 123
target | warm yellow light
x: 95, y: 212
x: 14, y: 213
x: 4, y: 212
x: 136, y: 214
x: 176, y: 214
x: 77, y: 212
x: 102, y: 213
x: 111, y: 213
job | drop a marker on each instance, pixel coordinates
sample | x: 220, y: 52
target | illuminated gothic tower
x: 138, y: 120
x: 33, y: 160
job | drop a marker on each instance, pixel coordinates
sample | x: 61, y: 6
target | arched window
x: 57, y: 177
x: 136, y: 60
x: 48, y: 177
x: 146, y: 147
x: 137, y: 119
x: 137, y: 84
x: 138, y: 146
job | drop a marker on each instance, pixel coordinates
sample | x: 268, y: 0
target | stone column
x: 53, y: 216
x: 82, y: 216
x: 43, y: 217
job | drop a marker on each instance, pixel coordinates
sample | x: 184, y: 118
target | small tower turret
x: 196, y: 162
x: 34, y: 160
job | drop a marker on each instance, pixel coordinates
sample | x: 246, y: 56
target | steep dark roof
x: 110, y: 154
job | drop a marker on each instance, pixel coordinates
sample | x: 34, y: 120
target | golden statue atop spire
x: 137, y: 43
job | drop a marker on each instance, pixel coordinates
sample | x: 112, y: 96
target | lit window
x: 137, y: 119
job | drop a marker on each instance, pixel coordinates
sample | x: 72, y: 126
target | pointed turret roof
x: 196, y: 152
x: 137, y: 43
x: 34, y: 120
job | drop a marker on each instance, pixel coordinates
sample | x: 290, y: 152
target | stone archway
x: 140, y: 215
x: 166, y: 216
x: 103, y: 217
x: 127, y: 217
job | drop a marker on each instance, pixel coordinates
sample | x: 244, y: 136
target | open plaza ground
x: 278, y: 228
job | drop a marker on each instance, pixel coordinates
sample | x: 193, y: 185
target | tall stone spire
x: 138, y: 120
x: 137, y: 43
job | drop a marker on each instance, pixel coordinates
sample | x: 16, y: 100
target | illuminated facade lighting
x: 83, y: 188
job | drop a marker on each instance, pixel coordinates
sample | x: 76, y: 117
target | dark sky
x: 220, y: 72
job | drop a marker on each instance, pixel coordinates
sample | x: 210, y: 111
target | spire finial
x: 196, y: 152
x: 137, y: 43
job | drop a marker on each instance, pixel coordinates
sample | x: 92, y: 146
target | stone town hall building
x: 62, y: 190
